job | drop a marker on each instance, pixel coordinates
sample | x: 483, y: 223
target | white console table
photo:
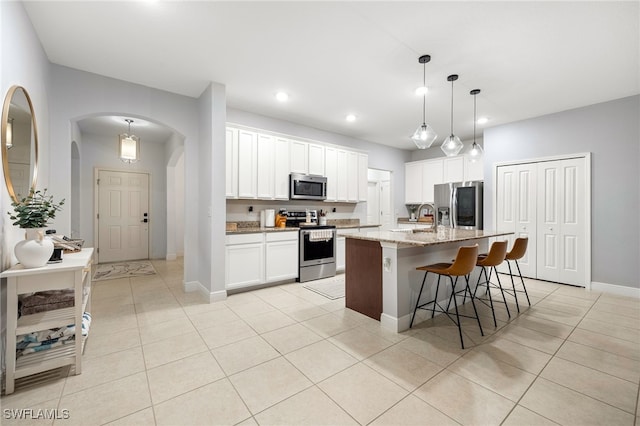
x: 74, y: 272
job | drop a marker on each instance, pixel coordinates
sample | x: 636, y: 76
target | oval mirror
x: 19, y: 143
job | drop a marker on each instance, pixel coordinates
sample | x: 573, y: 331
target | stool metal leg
x: 486, y: 283
x: 435, y: 299
x: 453, y: 295
x: 513, y: 285
x: 418, y: 301
x: 522, y: 281
x: 501, y: 289
x: 474, y: 306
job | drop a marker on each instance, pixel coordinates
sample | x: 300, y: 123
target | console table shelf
x: 74, y: 272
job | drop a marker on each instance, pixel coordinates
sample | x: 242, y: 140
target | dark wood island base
x: 364, y: 277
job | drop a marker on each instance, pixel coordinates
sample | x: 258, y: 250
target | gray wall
x: 380, y: 156
x: 611, y: 132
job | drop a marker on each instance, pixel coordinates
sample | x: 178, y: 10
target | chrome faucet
x: 433, y: 209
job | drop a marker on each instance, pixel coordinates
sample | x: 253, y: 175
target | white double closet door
x: 547, y: 202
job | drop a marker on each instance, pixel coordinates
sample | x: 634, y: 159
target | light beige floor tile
x: 30, y: 414
x: 141, y: 418
x: 34, y: 395
x: 279, y: 298
x: 150, y: 333
x: 303, y: 311
x: 216, y: 403
x: 200, y: 307
x: 97, y: 345
x: 552, y: 328
x: 101, y: 306
x: 617, y: 300
x: 570, y: 315
x: 432, y: 347
x: 521, y: 416
x: 579, y: 292
x: 172, y: 349
x: 515, y: 354
x: 614, y: 330
x: 269, y: 321
x: 103, y: 369
x: 593, y: 383
x: 531, y: 338
x: 212, y: 318
x: 568, y: 407
x: 251, y: 309
x: 320, y: 360
x: 267, y: 384
x: 226, y: 333
x: 614, y: 320
x: 463, y: 400
x: 244, y: 354
x: 290, y: 338
x: 406, y: 368
x: 309, y: 407
x: 111, y: 288
x: 241, y: 299
x: 610, y: 344
x: 181, y: 376
x: 352, y: 315
x: 162, y: 313
x: 412, y: 411
x: 334, y: 305
x: 120, y: 318
x: 362, y: 392
x: 107, y: 402
x: 559, y: 298
x: 601, y: 360
x: 500, y: 377
x: 359, y: 343
x: 249, y: 422
x: 376, y: 328
x: 329, y: 324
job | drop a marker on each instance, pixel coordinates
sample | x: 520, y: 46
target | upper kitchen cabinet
x: 352, y: 177
x: 331, y: 172
x: 432, y: 174
x: 453, y: 169
x: 266, y: 167
x: 363, y: 167
x: 247, y: 164
x: 413, y: 182
x: 231, y: 163
x: 473, y: 171
x: 316, y: 160
x: 282, y: 167
x: 299, y: 152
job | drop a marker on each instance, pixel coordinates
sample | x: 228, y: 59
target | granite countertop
x: 254, y: 227
x: 424, y: 238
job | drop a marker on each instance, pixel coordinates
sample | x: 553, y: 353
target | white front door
x: 385, y: 205
x: 561, y: 229
x: 373, y: 203
x: 123, y: 216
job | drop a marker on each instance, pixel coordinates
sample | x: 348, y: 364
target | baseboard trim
x: 171, y: 256
x: 192, y: 286
x: 217, y: 296
x: 396, y: 325
x: 619, y: 290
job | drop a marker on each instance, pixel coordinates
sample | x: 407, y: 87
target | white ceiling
x: 335, y: 58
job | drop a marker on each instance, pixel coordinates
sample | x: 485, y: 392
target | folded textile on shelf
x: 320, y: 235
x: 47, y: 339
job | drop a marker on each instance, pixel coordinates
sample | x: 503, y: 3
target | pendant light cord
x: 474, y: 119
x: 424, y: 95
x: 452, y: 107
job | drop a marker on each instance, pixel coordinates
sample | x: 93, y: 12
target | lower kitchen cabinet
x: 253, y: 259
x: 341, y: 247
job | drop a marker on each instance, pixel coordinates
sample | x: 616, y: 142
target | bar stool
x: 495, y: 257
x: 462, y: 266
x: 517, y: 252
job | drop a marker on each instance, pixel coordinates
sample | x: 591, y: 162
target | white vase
x: 35, y: 250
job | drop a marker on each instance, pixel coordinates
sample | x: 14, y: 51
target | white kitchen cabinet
x: 352, y: 176
x: 266, y: 167
x: 74, y: 272
x: 331, y: 172
x: 343, y: 177
x: 299, y: 152
x: 244, y: 263
x: 363, y: 181
x: 231, y: 163
x: 247, y: 164
x: 281, y: 255
x: 413, y: 182
x: 341, y: 246
x: 453, y: 169
x: 316, y: 159
x: 432, y: 174
x: 281, y: 169
x: 473, y: 171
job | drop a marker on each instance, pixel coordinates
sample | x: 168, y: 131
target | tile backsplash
x: 238, y: 210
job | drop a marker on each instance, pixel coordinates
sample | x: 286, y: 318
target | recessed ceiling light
x: 483, y: 120
x: 422, y: 90
x: 282, y: 96
x: 350, y: 118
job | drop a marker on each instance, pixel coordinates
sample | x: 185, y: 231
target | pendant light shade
x: 129, y: 145
x: 475, y: 152
x: 452, y: 144
x: 424, y: 136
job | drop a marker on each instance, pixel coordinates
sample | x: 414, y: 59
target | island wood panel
x: 363, y: 285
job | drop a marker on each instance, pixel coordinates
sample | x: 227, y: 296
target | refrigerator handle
x: 454, y: 207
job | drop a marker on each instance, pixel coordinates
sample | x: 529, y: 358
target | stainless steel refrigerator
x: 459, y: 204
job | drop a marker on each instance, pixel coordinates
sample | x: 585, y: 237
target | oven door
x: 316, y: 252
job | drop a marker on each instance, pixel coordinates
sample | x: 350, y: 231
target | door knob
x: 145, y: 220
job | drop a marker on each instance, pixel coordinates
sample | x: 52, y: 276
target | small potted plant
x: 33, y: 213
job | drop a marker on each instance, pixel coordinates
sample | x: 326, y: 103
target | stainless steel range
x: 317, y: 246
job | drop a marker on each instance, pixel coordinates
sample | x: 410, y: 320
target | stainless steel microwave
x: 307, y: 187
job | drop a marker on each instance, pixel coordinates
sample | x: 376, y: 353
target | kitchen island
x: 381, y: 277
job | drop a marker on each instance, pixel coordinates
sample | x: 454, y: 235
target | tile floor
x: 286, y: 355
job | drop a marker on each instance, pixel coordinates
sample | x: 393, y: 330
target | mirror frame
x: 5, y: 156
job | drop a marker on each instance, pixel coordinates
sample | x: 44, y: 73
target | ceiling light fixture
x: 129, y: 145
x: 9, y: 135
x: 424, y: 135
x: 350, y: 118
x: 482, y: 120
x: 475, y: 152
x: 282, y: 96
x: 452, y: 144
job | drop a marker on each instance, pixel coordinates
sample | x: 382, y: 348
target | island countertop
x: 424, y: 238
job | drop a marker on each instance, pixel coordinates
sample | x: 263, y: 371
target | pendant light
x: 474, y: 154
x: 424, y: 135
x: 129, y: 145
x: 452, y: 144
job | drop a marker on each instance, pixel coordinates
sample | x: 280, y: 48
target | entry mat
x: 111, y: 271
x: 331, y: 288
